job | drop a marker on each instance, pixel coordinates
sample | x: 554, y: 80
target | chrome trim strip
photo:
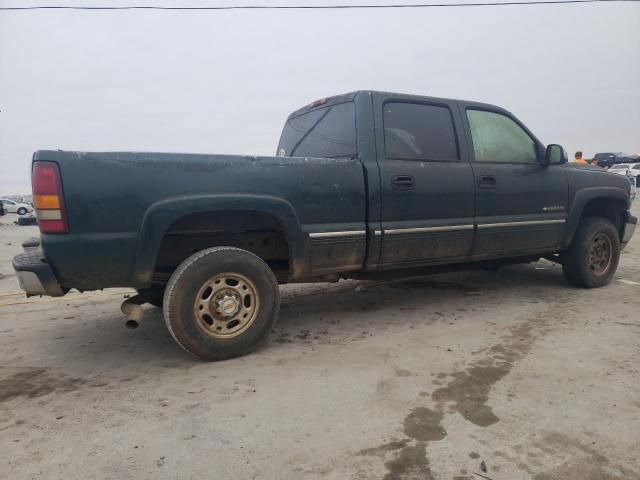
x: 525, y: 223
x: 445, y: 228
x: 345, y: 233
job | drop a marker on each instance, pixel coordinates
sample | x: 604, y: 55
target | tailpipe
x: 131, y: 307
x: 131, y: 324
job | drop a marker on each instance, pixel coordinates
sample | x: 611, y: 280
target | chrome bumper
x: 35, y: 275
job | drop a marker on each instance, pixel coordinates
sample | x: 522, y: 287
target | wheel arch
x: 162, y: 216
x: 605, y: 202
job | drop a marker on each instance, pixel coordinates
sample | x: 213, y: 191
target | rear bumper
x: 34, y: 273
x: 628, y: 229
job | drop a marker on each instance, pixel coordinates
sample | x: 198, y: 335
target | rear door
x: 331, y: 203
x: 520, y: 204
x: 427, y: 184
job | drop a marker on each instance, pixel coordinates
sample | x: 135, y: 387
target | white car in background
x: 13, y: 207
x: 631, y: 170
x: 628, y: 169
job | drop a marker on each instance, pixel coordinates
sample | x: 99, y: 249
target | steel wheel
x: 226, y: 305
x: 600, y: 254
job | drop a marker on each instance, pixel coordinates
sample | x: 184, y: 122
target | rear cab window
x: 325, y: 132
x: 415, y: 131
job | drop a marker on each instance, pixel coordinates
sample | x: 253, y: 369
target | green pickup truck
x: 364, y: 185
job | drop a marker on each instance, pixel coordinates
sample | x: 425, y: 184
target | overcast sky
x: 223, y: 82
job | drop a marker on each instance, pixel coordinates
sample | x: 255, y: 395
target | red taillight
x: 47, y: 197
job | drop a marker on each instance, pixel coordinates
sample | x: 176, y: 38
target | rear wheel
x: 592, y: 259
x: 221, y: 303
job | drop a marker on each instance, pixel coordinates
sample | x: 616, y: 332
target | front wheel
x: 22, y: 211
x: 592, y: 258
x: 221, y: 303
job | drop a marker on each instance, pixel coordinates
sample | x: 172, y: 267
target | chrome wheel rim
x: 226, y: 305
x: 600, y: 254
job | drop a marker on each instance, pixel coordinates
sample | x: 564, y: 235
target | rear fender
x: 161, y: 215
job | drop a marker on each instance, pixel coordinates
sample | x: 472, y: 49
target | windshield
x: 328, y: 132
x: 618, y: 167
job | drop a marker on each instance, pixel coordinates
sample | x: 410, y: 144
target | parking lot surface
x: 501, y: 375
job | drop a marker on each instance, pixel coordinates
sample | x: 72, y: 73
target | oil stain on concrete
x: 421, y: 426
x: 424, y: 424
x: 410, y: 464
x: 467, y: 393
x: 384, y: 448
x: 36, y: 382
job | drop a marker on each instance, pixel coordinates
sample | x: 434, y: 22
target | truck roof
x: 346, y: 97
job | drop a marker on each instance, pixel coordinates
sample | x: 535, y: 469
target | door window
x: 415, y: 131
x: 498, y: 139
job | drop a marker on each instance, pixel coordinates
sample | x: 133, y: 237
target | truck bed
x: 120, y: 204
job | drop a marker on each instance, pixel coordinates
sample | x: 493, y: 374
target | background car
x: 628, y: 169
x: 607, y: 159
x: 13, y: 207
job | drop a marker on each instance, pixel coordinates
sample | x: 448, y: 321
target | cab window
x: 328, y: 132
x: 414, y: 131
x: 499, y: 139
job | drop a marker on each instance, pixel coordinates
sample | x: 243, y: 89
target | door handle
x: 402, y: 182
x: 487, y: 181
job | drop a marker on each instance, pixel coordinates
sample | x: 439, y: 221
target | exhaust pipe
x: 131, y: 324
x: 132, y: 309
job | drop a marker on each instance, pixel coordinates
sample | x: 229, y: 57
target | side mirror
x: 555, y: 154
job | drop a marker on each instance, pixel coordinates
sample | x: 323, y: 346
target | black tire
x: 183, y: 299
x: 576, y: 261
x: 22, y: 211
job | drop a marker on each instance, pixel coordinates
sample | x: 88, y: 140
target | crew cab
x: 364, y: 185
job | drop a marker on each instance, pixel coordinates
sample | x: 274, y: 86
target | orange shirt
x: 581, y: 161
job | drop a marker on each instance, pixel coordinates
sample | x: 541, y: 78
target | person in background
x: 579, y: 159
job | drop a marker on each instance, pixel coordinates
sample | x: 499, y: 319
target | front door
x: 520, y: 204
x: 426, y: 183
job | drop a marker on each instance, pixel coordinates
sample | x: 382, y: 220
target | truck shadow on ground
x: 318, y: 311
x: 321, y: 314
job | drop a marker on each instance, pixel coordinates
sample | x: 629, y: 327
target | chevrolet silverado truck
x: 364, y: 185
